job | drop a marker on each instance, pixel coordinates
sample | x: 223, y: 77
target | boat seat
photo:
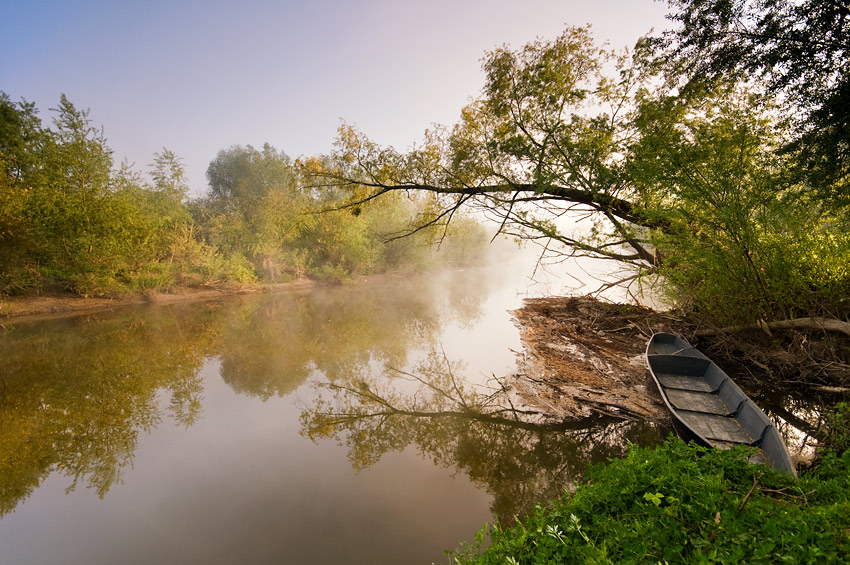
x: 716, y: 427
x: 699, y: 402
x: 726, y: 414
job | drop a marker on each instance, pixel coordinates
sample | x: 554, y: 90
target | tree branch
x: 825, y: 324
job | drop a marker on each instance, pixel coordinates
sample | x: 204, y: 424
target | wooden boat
x: 707, y: 407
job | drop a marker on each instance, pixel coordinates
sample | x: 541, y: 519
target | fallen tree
x: 825, y: 324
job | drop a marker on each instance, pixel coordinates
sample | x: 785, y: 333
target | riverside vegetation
x: 682, y: 503
x: 71, y: 221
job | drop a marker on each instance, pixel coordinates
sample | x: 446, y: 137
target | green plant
x: 332, y: 273
x: 682, y: 503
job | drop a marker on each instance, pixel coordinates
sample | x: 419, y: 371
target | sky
x: 199, y: 76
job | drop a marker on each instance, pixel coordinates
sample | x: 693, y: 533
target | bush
x: 232, y: 268
x: 17, y: 280
x: 332, y: 273
x: 155, y: 277
x: 682, y: 503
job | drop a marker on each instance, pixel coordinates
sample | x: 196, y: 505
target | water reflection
x: 799, y: 416
x: 205, y: 412
x: 276, y: 344
x: 520, y: 457
x: 76, y: 393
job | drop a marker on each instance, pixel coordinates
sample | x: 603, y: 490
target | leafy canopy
x: 798, y: 50
x: 571, y: 144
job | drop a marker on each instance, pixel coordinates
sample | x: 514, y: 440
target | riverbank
x: 45, y: 306
x: 584, y: 357
x: 680, y: 503
x: 57, y: 305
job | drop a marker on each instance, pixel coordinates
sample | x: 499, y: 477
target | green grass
x: 681, y: 503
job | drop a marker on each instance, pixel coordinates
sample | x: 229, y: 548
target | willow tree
x: 691, y: 188
x: 545, y: 139
x: 798, y: 49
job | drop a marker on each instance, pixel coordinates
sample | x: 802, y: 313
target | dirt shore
x: 582, y: 356
x: 46, y: 306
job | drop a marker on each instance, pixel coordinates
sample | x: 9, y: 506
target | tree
x: 545, y: 139
x: 734, y: 214
x: 688, y: 187
x: 21, y: 136
x: 56, y: 184
x: 169, y: 175
x: 257, y: 208
x: 799, y: 50
x: 83, y: 158
x: 240, y: 177
x: 69, y: 220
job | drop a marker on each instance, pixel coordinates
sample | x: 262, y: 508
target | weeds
x: 683, y: 503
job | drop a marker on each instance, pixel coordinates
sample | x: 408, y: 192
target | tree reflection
x: 799, y: 415
x: 274, y: 344
x: 280, y: 341
x: 75, y: 394
x: 519, y: 456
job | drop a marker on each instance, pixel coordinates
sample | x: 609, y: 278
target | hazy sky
x: 199, y: 76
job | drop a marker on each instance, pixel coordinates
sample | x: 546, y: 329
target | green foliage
x: 684, y: 504
x: 692, y: 187
x: 837, y: 437
x: 546, y: 139
x: 71, y: 221
x: 797, y: 49
x: 260, y: 207
x: 742, y: 241
x: 168, y: 175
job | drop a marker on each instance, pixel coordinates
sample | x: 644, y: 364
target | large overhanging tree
x: 688, y: 187
x: 546, y: 139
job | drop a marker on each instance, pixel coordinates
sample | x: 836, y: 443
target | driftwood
x: 833, y: 389
x: 826, y: 324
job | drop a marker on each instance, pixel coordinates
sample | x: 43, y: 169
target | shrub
x: 682, y: 503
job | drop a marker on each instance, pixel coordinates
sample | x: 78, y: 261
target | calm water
x: 354, y: 424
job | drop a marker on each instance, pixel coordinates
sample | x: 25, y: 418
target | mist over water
x: 257, y: 429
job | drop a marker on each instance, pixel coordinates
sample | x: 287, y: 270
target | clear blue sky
x: 200, y: 76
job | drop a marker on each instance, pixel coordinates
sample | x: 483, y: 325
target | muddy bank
x: 37, y: 307
x: 59, y: 305
x: 583, y: 357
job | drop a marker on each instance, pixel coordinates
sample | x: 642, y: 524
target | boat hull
x: 705, y: 404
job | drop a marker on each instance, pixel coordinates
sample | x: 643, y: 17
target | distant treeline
x: 71, y: 220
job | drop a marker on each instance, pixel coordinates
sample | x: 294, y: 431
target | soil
x: 583, y: 357
x: 56, y: 305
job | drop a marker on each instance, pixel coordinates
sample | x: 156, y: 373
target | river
x: 351, y: 424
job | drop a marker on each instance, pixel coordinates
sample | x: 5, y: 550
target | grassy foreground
x: 680, y: 503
